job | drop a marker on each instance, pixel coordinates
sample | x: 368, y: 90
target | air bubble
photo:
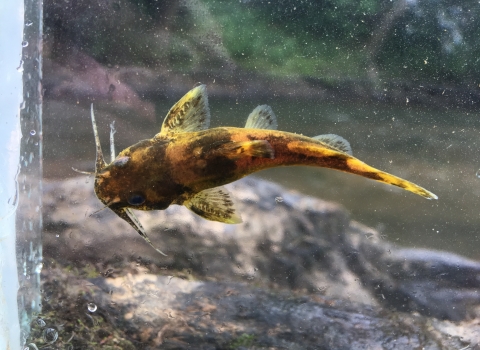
x: 41, y: 323
x: 38, y: 268
x: 478, y: 173
x: 33, y: 132
x: 24, y: 43
x: 50, y: 335
x: 278, y: 199
x: 28, y: 23
x: 91, y: 307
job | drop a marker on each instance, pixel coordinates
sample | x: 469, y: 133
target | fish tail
x: 318, y: 155
x: 360, y: 168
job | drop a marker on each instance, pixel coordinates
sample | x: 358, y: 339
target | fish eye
x: 121, y: 161
x: 136, y: 199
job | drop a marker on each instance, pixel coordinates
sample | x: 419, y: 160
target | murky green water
x: 435, y: 149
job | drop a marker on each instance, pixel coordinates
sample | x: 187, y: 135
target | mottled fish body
x: 188, y: 164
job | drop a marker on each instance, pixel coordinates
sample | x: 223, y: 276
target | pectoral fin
x: 191, y: 113
x: 336, y: 142
x: 129, y: 216
x: 262, y: 117
x: 214, y: 204
x: 256, y: 148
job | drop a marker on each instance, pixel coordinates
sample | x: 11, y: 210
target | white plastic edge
x: 11, y: 92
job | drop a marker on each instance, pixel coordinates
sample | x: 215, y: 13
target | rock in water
x: 298, y: 273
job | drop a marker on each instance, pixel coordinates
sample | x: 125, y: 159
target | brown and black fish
x: 187, y: 163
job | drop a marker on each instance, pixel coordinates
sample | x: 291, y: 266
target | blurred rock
x: 278, y: 245
x: 82, y: 80
x: 165, y: 312
x: 297, y: 274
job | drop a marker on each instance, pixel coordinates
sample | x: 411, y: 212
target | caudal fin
x: 318, y: 155
x: 358, y: 167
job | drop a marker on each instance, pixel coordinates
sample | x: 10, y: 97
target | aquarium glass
x: 397, y: 80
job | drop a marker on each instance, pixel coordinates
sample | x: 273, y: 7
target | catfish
x: 187, y: 163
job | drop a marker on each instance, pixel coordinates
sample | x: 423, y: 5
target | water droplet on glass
x: 33, y: 132
x: 50, y: 335
x: 28, y: 23
x: 41, y: 323
x: 278, y: 199
x: 24, y: 43
x: 91, y: 307
x: 478, y: 173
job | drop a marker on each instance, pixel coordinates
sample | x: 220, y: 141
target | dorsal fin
x: 262, y: 117
x: 336, y: 142
x: 191, y: 113
x: 214, y: 204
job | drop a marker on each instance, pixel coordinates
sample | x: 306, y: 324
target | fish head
x: 137, y: 178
